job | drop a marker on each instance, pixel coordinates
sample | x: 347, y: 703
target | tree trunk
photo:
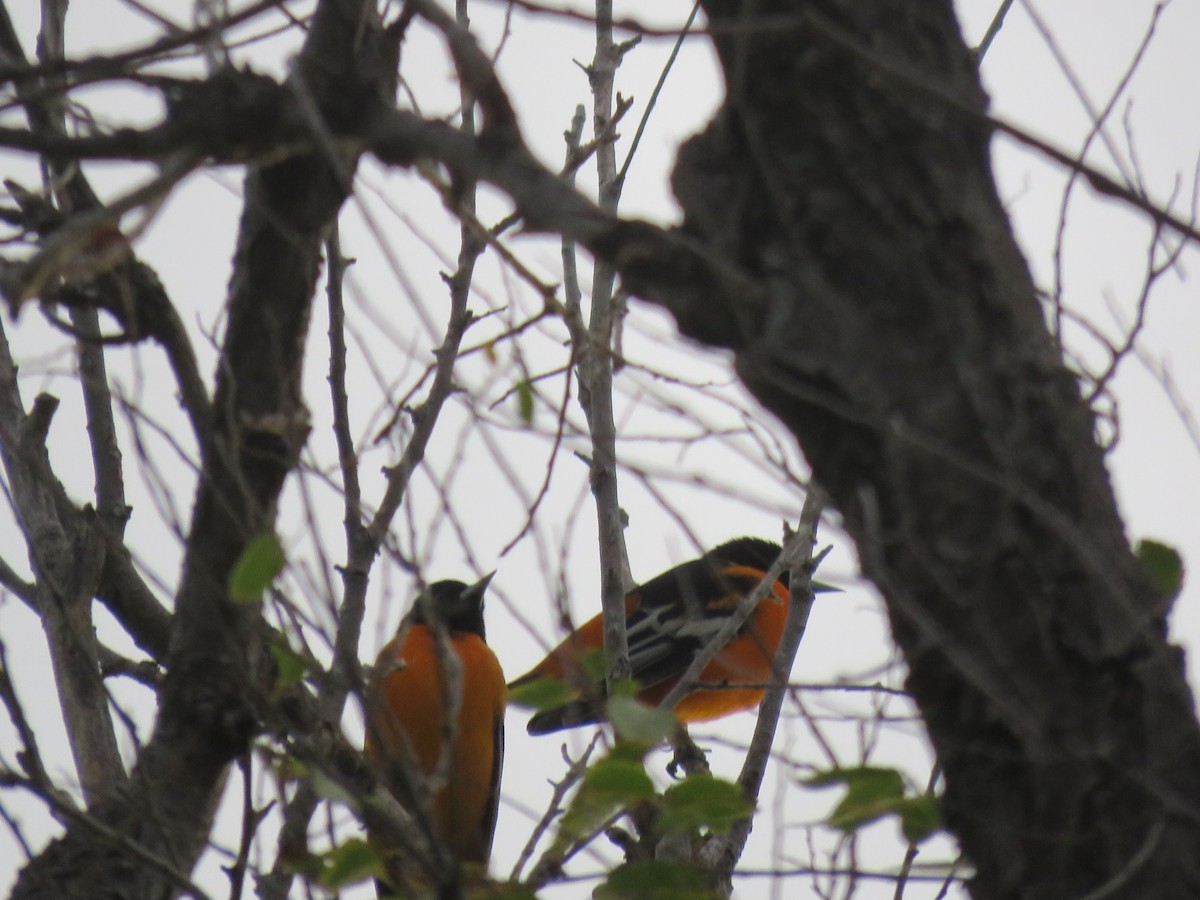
x: 902, y: 342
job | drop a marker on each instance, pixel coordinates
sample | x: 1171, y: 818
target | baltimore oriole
x: 668, y: 619
x: 407, y: 698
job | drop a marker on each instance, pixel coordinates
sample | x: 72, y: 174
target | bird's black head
x: 748, y: 551
x: 456, y: 605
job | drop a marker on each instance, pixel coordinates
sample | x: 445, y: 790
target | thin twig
x: 364, y: 539
x: 993, y: 30
x: 595, y: 374
x: 575, y: 771
x: 67, y: 558
x: 65, y: 810
x: 733, y: 624
x: 118, y: 64
x: 910, y: 853
x: 654, y: 94
x: 65, y: 181
x: 23, y: 590
x: 723, y: 852
x: 250, y: 820
x: 30, y: 756
x: 344, y: 669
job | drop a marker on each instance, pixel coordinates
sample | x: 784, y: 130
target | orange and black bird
x: 408, y: 696
x: 668, y: 620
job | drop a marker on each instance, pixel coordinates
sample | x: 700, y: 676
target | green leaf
x: 613, y: 783
x: 919, y: 818
x: 328, y: 789
x: 871, y: 793
x: 655, y: 880
x: 291, y: 769
x: 593, y: 665
x: 290, y: 666
x: 256, y: 569
x: 542, y: 694
x: 304, y: 864
x: 1164, y: 564
x: 502, y: 890
x: 625, y: 687
x: 499, y: 890
x: 701, y: 800
x: 635, y: 721
x: 353, y: 861
x: 525, y: 401
x: 871, y: 779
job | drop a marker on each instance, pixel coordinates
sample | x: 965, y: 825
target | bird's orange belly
x: 416, y: 699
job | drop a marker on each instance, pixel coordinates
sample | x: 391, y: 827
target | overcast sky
x: 488, y: 468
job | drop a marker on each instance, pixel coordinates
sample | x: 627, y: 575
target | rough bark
x: 902, y: 342
x: 844, y: 237
x: 143, y: 842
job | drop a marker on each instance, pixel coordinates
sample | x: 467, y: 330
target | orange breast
x: 413, y: 711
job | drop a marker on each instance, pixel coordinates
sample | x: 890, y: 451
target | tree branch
x: 66, y: 563
x: 596, y: 373
x: 722, y: 852
x: 216, y: 674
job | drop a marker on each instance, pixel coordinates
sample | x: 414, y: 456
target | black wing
x: 680, y: 611
x: 677, y: 613
x: 487, y: 828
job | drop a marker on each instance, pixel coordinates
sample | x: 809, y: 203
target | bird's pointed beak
x: 476, y: 590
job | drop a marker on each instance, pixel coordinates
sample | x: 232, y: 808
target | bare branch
x: 67, y: 563
x: 595, y: 371
x: 216, y: 674
x: 116, y: 65
x: 30, y: 756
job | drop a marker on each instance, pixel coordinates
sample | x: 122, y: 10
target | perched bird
x: 668, y: 620
x: 407, y: 699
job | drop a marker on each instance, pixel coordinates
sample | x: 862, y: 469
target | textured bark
x: 844, y: 237
x: 143, y: 842
x: 901, y: 341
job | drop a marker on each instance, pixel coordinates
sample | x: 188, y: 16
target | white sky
x: 1155, y: 466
